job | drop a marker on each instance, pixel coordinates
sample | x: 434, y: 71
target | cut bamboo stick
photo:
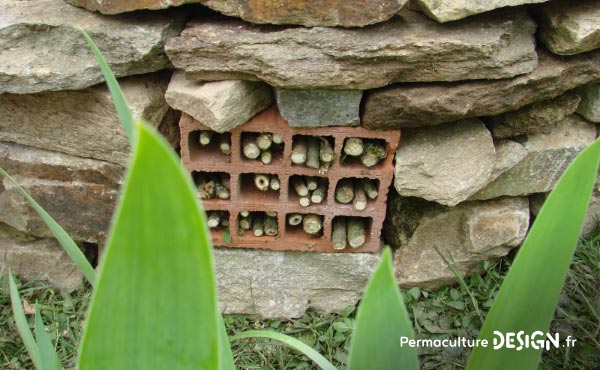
x: 370, y: 188
x: 338, y: 235
x: 271, y: 213
x: 294, y: 219
x: 266, y: 157
x: 299, y: 185
x: 275, y: 183
x: 258, y: 225
x: 312, y: 224
x: 318, y: 195
x: 277, y: 139
x: 245, y: 222
x: 206, y: 188
x: 262, y: 182
x: 205, y: 137
x: 221, y: 192
x: 225, y: 180
x: 264, y: 141
x: 311, y: 182
x: 299, y: 151
x: 326, y: 153
x: 373, y: 154
x: 250, y: 148
x: 224, y: 145
x: 353, y: 146
x: 271, y: 226
x: 312, y: 152
x: 304, y: 201
x: 244, y: 213
x: 213, y: 219
x: 359, y: 202
x: 344, y: 192
x: 356, y: 232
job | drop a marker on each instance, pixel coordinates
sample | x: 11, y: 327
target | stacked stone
x: 491, y: 113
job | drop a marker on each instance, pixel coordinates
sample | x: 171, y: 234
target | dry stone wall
x: 493, y: 100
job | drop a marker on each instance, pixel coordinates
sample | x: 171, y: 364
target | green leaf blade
x: 49, y: 358
x: 155, y: 304
x: 22, y: 325
x: 381, y: 321
x: 529, y: 295
x: 294, y: 343
x: 59, y: 233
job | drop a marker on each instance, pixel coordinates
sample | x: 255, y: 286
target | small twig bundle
x: 356, y: 191
x: 212, y: 185
x: 309, y: 189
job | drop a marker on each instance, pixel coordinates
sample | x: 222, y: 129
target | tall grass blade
x: 296, y: 344
x: 123, y: 111
x: 225, y: 353
x: 529, y: 294
x: 381, y: 321
x: 48, y: 357
x: 155, y: 304
x: 22, y: 325
x: 59, y: 233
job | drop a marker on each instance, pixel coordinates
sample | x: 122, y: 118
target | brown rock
x: 122, y: 6
x: 445, y: 11
x: 409, y: 47
x: 415, y: 105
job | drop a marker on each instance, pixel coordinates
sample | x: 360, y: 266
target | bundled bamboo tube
x: 338, y: 235
x: 295, y: 219
x: 318, y: 195
x: 344, y: 192
x: 224, y: 145
x: 311, y: 182
x: 312, y: 152
x: 244, y: 213
x: 275, y: 183
x: 326, y: 153
x: 299, y: 186
x: 277, y: 139
x: 304, y: 201
x: 359, y: 202
x: 356, y: 232
x: 353, y: 146
x: 205, y: 137
x: 213, y: 219
x: 299, y: 151
x: 258, y: 224
x: 373, y: 154
x: 312, y: 224
x: 266, y: 156
x: 250, y: 148
x: 370, y: 188
x: 271, y: 226
x: 221, y: 191
x: 262, y: 182
x: 264, y: 141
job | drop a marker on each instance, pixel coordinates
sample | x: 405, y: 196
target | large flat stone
x: 42, y: 48
x: 416, y: 105
x: 274, y: 284
x: 82, y: 123
x: 548, y: 156
x: 469, y: 233
x: 318, y: 108
x: 590, y: 102
x: 123, y: 6
x: 221, y: 105
x: 532, y: 118
x: 446, y: 164
x: 570, y: 27
x: 445, y: 11
x: 38, y: 259
x: 410, y: 47
x: 79, y: 193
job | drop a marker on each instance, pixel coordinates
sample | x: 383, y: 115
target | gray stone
x: 79, y: 193
x: 318, y: 108
x: 221, y: 105
x: 590, y: 102
x: 570, y: 27
x: 533, y: 118
x: 469, y: 233
x: 416, y: 105
x: 348, y: 13
x: 409, y: 47
x: 82, y: 123
x: 446, y: 164
x: 548, y: 156
x: 274, y: 284
x: 445, y: 11
x: 37, y: 259
x: 508, y: 154
x: 42, y: 48
x: 123, y: 6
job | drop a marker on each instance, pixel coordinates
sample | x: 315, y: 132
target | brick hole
x: 212, y: 151
x: 322, y: 188
x: 355, y: 162
x: 248, y: 191
x: 358, y: 182
x: 299, y: 141
x: 366, y: 222
x: 212, y: 186
x: 258, y: 224
x: 297, y: 232
x: 257, y: 139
